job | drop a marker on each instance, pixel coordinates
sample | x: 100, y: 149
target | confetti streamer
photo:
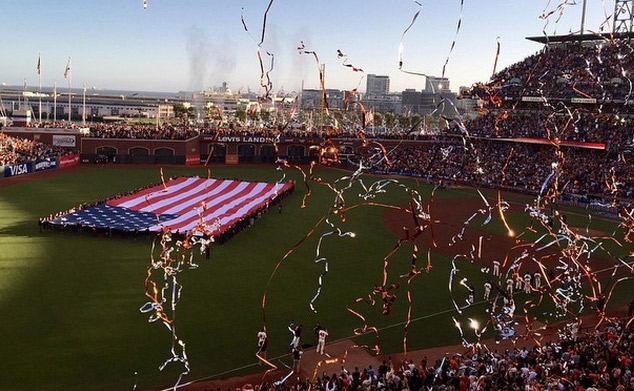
x: 453, y: 43
x: 497, y: 56
x: 400, y: 47
x: 265, y: 80
x: 175, y: 255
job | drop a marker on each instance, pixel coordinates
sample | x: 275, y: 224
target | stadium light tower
x: 623, y: 16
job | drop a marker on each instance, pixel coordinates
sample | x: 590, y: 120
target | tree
x: 378, y: 120
x: 241, y: 114
x: 254, y: 115
x: 404, y: 122
x: 183, y: 111
x: 265, y: 115
x: 417, y: 122
x: 389, y: 120
x: 303, y: 117
x: 213, y: 112
x: 352, y: 117
x: 338, y: 115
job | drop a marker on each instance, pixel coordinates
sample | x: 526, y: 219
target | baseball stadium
x: 483, y: 245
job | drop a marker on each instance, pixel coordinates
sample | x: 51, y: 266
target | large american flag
x: 179, y: 205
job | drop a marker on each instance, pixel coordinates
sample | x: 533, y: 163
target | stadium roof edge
x: 580, y: 37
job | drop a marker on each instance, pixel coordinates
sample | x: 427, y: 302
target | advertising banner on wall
x: 18, y: 169
x: 192, y: 159
x: 48, y: 164
x: 231, y: 159
x: 239, y: 139
x: 67, y: 161
x: 62, y: 140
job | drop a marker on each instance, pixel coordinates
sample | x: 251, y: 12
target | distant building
x: 466, y: 104
x: 312, y: 99
x: 412, y: 100
x: 428, y: 101
x: 99, y: 104
x: 377, y: 85
x: 383, y: 104
x: 436, y: 84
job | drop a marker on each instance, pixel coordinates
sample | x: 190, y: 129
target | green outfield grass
x: 70, y: 303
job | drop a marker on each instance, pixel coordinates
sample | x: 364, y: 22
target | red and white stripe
x: 227, y: 201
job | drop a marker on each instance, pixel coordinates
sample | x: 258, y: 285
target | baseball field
x: 70, y: 302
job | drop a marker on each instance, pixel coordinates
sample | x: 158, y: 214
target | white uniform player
x: 487, y: 290
x: 509, y: 286
x: 527, y: 283
x: 537, y: 280
x: 496, y: 268
x: 262, y: 343
x: 519, y: 282
x: 321, y: 340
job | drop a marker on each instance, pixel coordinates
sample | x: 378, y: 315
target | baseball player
x: 537, y: 280
x: 263, y: 342
x: 321, y: 341
x: 487, y: 290
x: 527, y: 283
x: 496, y: 268
x: 509, y: 285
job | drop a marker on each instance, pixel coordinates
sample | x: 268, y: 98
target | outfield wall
x: 29, y: 167
x: 127, y: 151
x: 196, y: 150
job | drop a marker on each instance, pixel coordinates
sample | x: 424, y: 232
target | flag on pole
x: 369, y: 118
x: 39, y: 64
x: 67, y: 71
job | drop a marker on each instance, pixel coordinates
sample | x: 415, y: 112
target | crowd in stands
x: 163, y: 132
x: 583, y: 172
x: 614, y: 130
x: 56, y: 125
x: 183, y: 132
x: 597, y: 360
x: 574, y: 126
x: 18, y: 150
x: 597, y: 70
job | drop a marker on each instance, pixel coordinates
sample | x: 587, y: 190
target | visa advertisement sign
x: 18, y: 169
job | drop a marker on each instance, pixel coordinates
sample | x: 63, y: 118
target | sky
x: 177, y: 45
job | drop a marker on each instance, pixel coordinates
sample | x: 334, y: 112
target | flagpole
x: 39, y: 74
x: 26, y: 97
x: 55, y: 102
x: 69, y: 93
x: 83, y: 110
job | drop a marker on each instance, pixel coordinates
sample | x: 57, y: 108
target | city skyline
x: 195, y: 44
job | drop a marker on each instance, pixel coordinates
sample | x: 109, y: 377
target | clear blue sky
x: 193, y: 44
